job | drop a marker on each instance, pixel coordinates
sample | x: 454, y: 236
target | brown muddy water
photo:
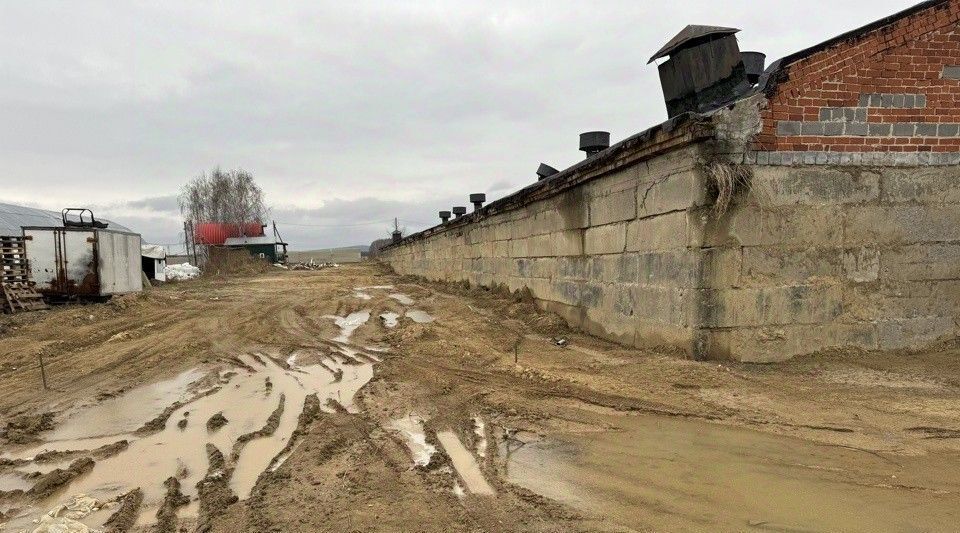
x: 687, y: 475
x: 465, y: 464
x: 246, y: 396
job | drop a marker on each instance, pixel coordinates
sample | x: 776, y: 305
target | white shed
x: 153, y: 260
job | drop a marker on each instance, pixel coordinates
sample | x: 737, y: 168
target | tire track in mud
x: 172, y: 502
x: 257, y: 519
x: 126, y: 515
x: 214, y: 489
x: 273, y: 422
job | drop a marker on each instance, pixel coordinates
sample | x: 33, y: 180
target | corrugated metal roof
x: 14, y: 217
x: 243, y: 241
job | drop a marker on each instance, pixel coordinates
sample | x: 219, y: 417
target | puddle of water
x: 349, y: 323
x: 411, y: 428
x: 380, y: 348
x: 125, y: 413
x: 418, y: 316
x: 14, y: 482
x: 402, y: 298
x: 465, y: 464
x: 389, y: 319
x: 479, y: 429
x: 670, y: 474
x: 64, y: 445
x: 43, y: 468
x: 246, y: 403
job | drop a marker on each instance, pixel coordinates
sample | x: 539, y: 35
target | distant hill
x: 355, y: 248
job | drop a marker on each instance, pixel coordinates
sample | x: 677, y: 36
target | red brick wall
x: 907, y: 56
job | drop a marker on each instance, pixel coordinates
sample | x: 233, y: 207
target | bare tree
x: 376, y: 245
x: 227, y: 197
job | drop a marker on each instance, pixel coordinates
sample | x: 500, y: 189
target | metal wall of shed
x: 77, y: 260
x: 119, y: 263
x: 89, y: 262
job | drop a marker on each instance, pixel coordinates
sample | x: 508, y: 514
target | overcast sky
x: 348, y: 113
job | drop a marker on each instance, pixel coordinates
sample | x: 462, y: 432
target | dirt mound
x: 107, y: 450
x: 126, y: 516
x: 216, y: 422
x: 214, y: 489
x: 167, y: 513
x: 24, y: 429
x: 48, y: 483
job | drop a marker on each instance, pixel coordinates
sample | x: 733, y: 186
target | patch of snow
x: 479, y: 429
x: 418, y: 316
x: 402, y: 298
x: 350, y: 323
x: 181, y: 272
x: 389, y: 319
x: 411, y: 428
x: 362, y: 295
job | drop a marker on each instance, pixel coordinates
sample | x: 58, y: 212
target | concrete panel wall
x: 810, y: 258
x: 616, y: 256
x: 824, y: 257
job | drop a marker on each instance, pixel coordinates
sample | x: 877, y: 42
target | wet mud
x: 123, y: 519
x: 587, y: 436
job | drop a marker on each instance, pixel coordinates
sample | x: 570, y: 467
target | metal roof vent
x: 444, y: 216
x: 594, y: 142
x: 396, y: 235
x: 459, y: 211
x: 477, y: 200
x: 704, y: 72
x: 545, y: 171
x: 753, y: 64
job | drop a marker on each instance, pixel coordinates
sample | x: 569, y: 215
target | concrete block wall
x: 813, y: 257
x: 617, y: 256
x: 820, y: 257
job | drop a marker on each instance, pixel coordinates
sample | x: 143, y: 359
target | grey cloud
x: 330, y: 102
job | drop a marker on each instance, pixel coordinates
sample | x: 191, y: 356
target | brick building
x: 808, y: 206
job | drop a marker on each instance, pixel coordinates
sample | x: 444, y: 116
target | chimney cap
x: 459, y: 210
x: 753, y: 63
x: 692, y: 32
x: 594, y: 141
x: 545, y: 171
x: 478, y: 197
x: 444, y: 214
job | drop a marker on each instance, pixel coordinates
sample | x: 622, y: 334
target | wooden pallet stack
x: 16, y: 287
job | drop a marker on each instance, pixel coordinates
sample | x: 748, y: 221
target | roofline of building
x: 771, y: 77
x: 674, y: 133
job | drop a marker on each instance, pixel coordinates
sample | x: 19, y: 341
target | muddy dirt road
x: 350, y: 399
